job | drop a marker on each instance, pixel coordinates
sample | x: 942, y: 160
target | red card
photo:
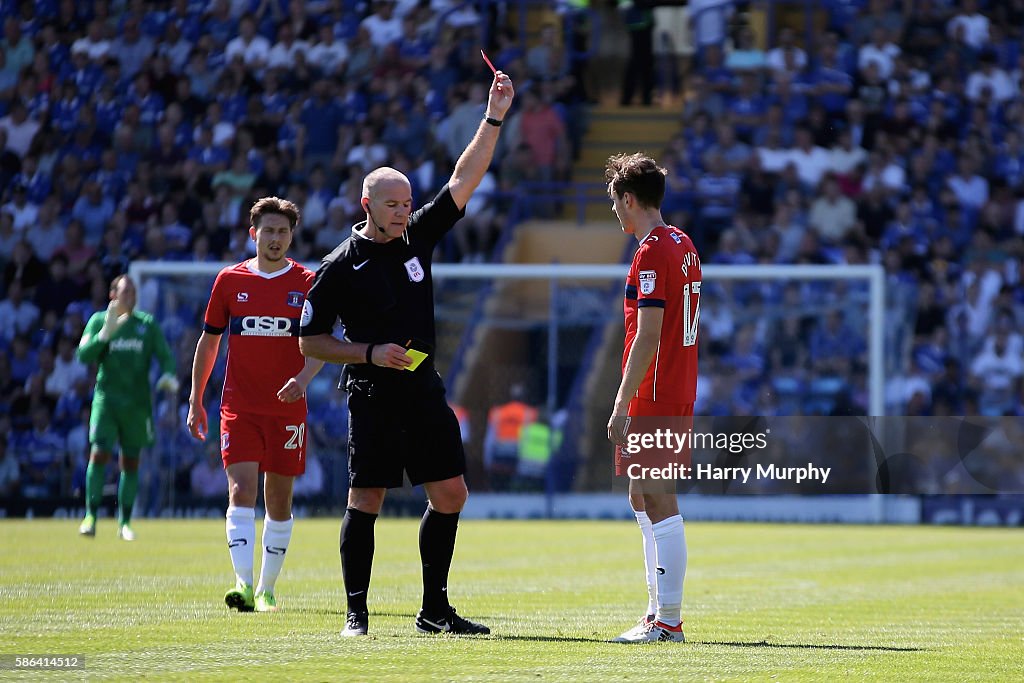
x: 488, y: 62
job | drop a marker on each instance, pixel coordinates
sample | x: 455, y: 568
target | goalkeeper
x: 123, y: 343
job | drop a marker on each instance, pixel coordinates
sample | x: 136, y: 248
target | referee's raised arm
x: 476, y: 158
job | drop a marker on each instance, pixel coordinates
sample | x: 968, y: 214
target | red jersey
x: 261, y: 311
x: 666, y: 273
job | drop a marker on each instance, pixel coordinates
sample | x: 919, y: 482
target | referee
x: 378, y: 284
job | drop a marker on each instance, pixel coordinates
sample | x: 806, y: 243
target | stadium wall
x: 959, y: 510
x: 852, y: 509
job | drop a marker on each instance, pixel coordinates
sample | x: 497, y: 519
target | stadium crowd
x: 894, y: 138
x: 144, y: 130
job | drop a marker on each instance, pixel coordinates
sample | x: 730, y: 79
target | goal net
x: 774, y: 340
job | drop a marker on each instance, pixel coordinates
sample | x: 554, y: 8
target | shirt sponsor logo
x: 242, y: 296
x: 264, y: 326
x: 414, y: 269
x: 134, y: 345
x: 295, y: 299
x: 648, y: 280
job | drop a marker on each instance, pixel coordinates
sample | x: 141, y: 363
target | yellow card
x: 417, y: 358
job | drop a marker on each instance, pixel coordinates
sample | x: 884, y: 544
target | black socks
x: 437, y: 545
x: 356, y: 546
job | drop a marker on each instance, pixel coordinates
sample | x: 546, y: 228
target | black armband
x: 369, y: 353
x: 494, y: 122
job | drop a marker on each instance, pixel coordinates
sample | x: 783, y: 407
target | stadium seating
x: 146, y: 136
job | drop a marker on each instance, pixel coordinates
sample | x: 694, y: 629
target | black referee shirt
x: 383, y: 293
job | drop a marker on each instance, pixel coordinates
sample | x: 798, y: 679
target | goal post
x: 873, y: 274
x: 571, y: 312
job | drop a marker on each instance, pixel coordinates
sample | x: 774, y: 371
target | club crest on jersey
x: 295, y: 299
x: 414, y: 269
x: 242, y: 296
x: 648, y: 279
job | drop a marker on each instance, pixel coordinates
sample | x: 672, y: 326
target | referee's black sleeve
x: 323, y: 303
x: 432, y: 221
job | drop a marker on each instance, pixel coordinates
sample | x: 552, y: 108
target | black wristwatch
x: 494, y: 122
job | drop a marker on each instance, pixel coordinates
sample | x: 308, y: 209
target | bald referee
x: 378, y: 284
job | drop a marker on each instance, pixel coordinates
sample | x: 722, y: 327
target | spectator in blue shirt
x: 440, y: 72
x: 64, y: 112
x: 719, y: 78
x: 699, y: 138
x: 734, y: 153
x: 219, y: 24
x: 833, y: 343
x: 186, y: 16
x: 176, y: 235
x: 322, y: 117
x: 970, y: 188
x: 42, y: 457
x: 107, y: 107
x: 113, y: 181
x: 18, y: 315
x: 210, y: 157
x: 1009, y: 160
x: 843, y: 14
x: 716, y: 193
x: 408, y: 130
x: 132, y: 48
x: 151, y: 104
x: 748, y: 107
x: 93, y: 209
x: 785, y: 94
x: 23, y: 359
x: 57, y: 52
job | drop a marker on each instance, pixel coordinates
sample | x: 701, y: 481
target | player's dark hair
x: 639, y: 174
x: 269, y: 205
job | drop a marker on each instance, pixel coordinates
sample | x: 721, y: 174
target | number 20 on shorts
x: 297, y: 433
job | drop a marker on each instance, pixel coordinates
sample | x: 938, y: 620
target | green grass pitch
x: 763, y: 602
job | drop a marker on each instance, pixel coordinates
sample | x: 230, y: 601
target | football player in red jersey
x: 263, y: 406
x: 659, y: 379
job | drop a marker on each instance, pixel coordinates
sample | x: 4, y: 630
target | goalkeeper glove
x: 168, y: 382
x: 112, y: 323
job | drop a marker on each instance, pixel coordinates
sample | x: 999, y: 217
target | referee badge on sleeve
x: 307, y: 313
x: 414, y: 269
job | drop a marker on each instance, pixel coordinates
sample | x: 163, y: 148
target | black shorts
x: 401, y: 429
